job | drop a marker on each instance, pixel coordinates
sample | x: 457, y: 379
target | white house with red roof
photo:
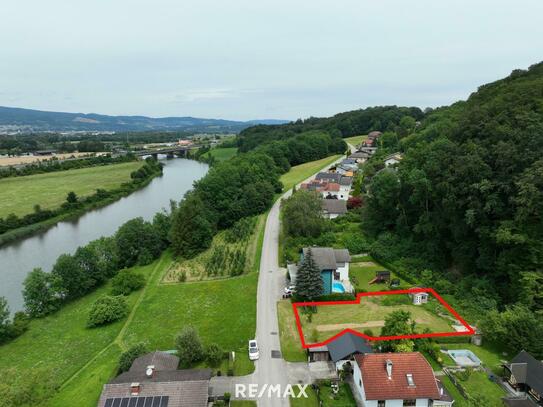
x: 397, y: 380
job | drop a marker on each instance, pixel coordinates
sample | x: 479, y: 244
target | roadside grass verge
x: 291, y: 347
x: 301, y: 172
x: 49, y: 190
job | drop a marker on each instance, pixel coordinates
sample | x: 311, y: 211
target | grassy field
x: 356, y: 140
x: 368, y: 315
x: 83, y: 359
x: 301, y: 172
x: 291, y: 347
x: 222, y: 154
x: 491, y: 356
x: 479, y: 383
x: 362, y: 272
x: 20, y: 194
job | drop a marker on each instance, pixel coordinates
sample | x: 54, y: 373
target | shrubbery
x: 126, y: 281
x: 189, y: 346
x: 128, y: 357
x: 107, y: 309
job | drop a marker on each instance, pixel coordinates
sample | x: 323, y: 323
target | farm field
x: 301, y: 172
x: 367, y: 316
x: 83, y: 359
x: 20, y: 194
x: 222, y: 153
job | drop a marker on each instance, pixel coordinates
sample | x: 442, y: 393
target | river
x: 41, y: 250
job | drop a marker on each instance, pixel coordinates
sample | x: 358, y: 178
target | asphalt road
x: 271, y: 368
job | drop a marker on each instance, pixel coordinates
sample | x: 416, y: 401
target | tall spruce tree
x: 309, y: 284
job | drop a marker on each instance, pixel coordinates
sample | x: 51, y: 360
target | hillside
x: 13, y: 119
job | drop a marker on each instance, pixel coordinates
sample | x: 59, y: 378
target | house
x: 346, y: 170
x: 332, y: 208
x: 345, y: 184
x: 393, y: 159
x: 341, y: 350
x: 419, y: 298
x: 360, y: 156
x: 328, y: 177
x: 525, y: 375
x: 372, y: 135
x: 333, y: 265
x: 396, y: 380
x: 330, y: 190
x: 153, y: 379
x: 367, y: 149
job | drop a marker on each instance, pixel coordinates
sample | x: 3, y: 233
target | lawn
x: 363, y: 272
x: 479, y: 383
x: 222, y: 311
x: 301, y: 172
x: 242, y: 403
x: 291, y: 347
x: 222, y: 153
x: 490, y: 355
x: 369, y: 315
x: 20, y: 194
x: 344, y: 397
x: 356, y: 140
x: 310, y: 401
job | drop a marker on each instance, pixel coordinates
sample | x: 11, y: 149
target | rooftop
x: 334, y: 206
x: 346, y: 345
x: 327, y: 258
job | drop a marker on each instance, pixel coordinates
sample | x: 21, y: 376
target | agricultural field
x: 221, y: 153
x: 369, y: 315
x: 20, y: 194
x: 301, y: 172
x: 233, y: 252
x: 83, y: 359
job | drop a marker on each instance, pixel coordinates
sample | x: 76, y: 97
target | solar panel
x: 156, y: 401
x: 109, y: 402
x: 164, y: 402
x: 149, y: 402
x: 124, y: 402
x: 116, y: 403
x: 142, y: 401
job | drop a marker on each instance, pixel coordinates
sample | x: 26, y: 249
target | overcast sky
x: 249, y: 59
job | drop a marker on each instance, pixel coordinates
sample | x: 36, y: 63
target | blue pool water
x: 337, y: 287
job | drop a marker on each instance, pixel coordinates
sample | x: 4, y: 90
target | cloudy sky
x: 248, y: 59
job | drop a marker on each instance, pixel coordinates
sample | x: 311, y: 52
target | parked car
x: 289, y: 290
x: 253, y: 350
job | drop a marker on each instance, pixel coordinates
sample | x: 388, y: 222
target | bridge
x: 180, y: 151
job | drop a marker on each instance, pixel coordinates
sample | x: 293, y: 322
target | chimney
x: 389, y: 368
x: 150, y: 371
x: 135, y: 389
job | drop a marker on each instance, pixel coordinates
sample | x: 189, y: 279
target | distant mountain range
x: 17, y: 119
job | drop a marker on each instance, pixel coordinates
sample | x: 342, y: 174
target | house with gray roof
x: 334, y: 267
x: 525, y: 375
x: 328, y: 177
x: 332, y: 208
x: 154, y: 380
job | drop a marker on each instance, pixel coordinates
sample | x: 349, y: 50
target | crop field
x: 20, y: 194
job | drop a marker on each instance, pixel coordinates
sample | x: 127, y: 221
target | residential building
x: 333, y: 265
x: 332, y: 208
x: 341, y: 350
x: 525, y: 375
x: 393, y: 159
x: 397, y: 380
x: 328, y: 177
x: 372, y: 135
x: 154, y: 380
x: 345, y: 184
x: 330, y: 190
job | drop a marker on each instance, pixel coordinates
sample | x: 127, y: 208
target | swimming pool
x: 464, y: 357
x: 337, y: 287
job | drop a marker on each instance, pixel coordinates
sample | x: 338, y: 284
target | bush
x: 189, y: 346
x: 107, y: 309
x: 214, y: 355
x: 128, y: 357
x: 126, y: 281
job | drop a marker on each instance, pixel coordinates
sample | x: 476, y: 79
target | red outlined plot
x: 469, y: 330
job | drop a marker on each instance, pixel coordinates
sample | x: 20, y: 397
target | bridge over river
x: 179, y: 151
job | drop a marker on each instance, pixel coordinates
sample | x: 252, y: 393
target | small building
x: 419, y: 298
x: 332, y: 208
x: 330, y: 190
x: 397, y: 379
x: 154, y: 380
x: 341, y: 350
x: 393, y: 159
x: 334, y: 267
x: 381, y: 276
x: 345, y: 184
x: 372, y: 135
x: 525, y: 375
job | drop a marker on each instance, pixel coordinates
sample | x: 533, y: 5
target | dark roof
x: 163, y: 376
x: 160, y: 360
x: 334, y: 206
x: 378, y: 386
x: 330, y: 176
x: 347, y: 345
x: 519, y: 402
x: 359, y: 154
x: 346, y: 180
x: 529, y: 371
x: 327, y: 258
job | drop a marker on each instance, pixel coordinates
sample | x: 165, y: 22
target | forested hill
x: 469, y: 192
x: 37, y: 120
x: 341, y: 125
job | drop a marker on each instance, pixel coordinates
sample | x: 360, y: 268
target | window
x: 409, y: 403
x: 360, y: 382
x: 381, y: 403
x: 410, y: 381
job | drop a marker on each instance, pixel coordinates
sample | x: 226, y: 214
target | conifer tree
x: 309, y: 284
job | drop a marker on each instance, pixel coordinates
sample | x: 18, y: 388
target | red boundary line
x: 469, y: 330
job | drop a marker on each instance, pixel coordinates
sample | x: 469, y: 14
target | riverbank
x: 86, y: 204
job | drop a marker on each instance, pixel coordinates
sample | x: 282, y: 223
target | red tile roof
x: 377, y: 385
x: 332, y: 186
